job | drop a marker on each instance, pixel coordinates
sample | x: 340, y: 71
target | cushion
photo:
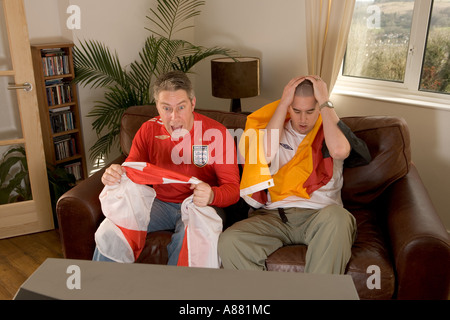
x: 370, y: 249
x: 389, y: 143
x: 132, y: 120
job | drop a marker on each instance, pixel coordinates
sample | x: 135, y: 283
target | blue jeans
x: 163, y: 216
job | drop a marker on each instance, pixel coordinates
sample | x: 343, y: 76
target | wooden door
x: 24, y: 192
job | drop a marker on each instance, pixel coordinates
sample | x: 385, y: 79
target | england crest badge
x: 200, y: 155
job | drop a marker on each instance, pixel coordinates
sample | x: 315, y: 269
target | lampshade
x: 235, y: 78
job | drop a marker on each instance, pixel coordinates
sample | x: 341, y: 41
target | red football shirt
x: 208, y: 153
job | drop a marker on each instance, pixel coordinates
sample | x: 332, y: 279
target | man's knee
x: 227, y: 241
x: 336, y: 214
x: 339, y: 218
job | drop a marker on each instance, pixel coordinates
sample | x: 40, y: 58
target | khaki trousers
x: 329, y: 234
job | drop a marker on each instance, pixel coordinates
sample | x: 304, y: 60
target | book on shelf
x: 58, y: 92
x: 61, y: 119
x: 65, y: 147
x: 55, y: 62
x: 75, y: 169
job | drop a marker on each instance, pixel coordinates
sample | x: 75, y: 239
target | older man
x: 176, y: 140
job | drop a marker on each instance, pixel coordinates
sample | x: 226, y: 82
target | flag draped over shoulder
x: 126, y: 206
x: 307, y: 171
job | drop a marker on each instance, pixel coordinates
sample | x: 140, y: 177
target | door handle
x: 26, y: 86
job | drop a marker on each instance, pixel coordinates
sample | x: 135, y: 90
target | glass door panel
x: 10, y: 124
x: 5, y: 56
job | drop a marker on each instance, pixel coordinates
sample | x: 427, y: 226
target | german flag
x: 306, y: 172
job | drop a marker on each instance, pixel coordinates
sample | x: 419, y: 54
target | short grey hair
x: 305, y: 89
x: 173, y: 81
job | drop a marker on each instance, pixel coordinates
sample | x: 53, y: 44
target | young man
x: 176, y: 140
x: 303, y: 204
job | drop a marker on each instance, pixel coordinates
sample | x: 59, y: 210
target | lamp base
x: 235, y: 105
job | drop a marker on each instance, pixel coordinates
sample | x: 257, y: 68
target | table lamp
x: 235, y: 78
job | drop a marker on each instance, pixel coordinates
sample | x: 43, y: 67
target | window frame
x: 406, y: 92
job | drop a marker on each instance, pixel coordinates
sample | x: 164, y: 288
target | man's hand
x: 320, y: 89
x: 289, y: 91
x: 203, y: 194
x: 113, y: 175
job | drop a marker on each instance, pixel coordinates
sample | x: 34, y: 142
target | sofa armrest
x: 79, y: 215
x: 420, y: 243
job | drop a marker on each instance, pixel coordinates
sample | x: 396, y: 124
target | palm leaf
x: 15, y: 184
x: 186, y: 63
x: 157, y: 57
x: 10, y: 158
x: 108, y: 113
x: 14, y: 181
x: 106, y: 116
x: 164, y: 52
x: 104, y: 144
x: 96, y: 66
x: 6, y: 166
x: 170, y: 15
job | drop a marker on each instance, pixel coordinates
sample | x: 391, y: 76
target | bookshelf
x: 58, y: 107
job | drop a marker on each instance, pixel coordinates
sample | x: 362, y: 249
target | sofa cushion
x: 388, y: 141
x: 132, y: 120
x: 370, y: 249
x: 155, y: 250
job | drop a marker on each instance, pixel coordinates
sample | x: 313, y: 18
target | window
x: 401, y: 45
x: 379, y: 40
x: 436, y: 66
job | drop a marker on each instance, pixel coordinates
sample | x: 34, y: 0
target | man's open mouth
x: 303, y: 127
x: 175, y: 128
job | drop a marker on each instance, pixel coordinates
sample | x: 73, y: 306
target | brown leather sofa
x: 399, y: 231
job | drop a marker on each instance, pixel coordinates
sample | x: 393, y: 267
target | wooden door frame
x: 35, y: 215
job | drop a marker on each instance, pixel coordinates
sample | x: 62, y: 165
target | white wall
x: 46, y: 20
x: 270, y: 30
x: 255, y: 28
x: 121, y: 27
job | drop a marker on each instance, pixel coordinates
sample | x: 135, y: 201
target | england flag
x: 126, y: 206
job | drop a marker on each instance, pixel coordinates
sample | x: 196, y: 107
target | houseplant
x: 96, y: 66
x: 14, y: 179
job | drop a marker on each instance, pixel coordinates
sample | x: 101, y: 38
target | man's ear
x: 193, y: 102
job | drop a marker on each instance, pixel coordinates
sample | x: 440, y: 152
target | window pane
x: 10, y: 123
x: 5, y: 57
x: 379, y: 40
x: 436, y: 66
